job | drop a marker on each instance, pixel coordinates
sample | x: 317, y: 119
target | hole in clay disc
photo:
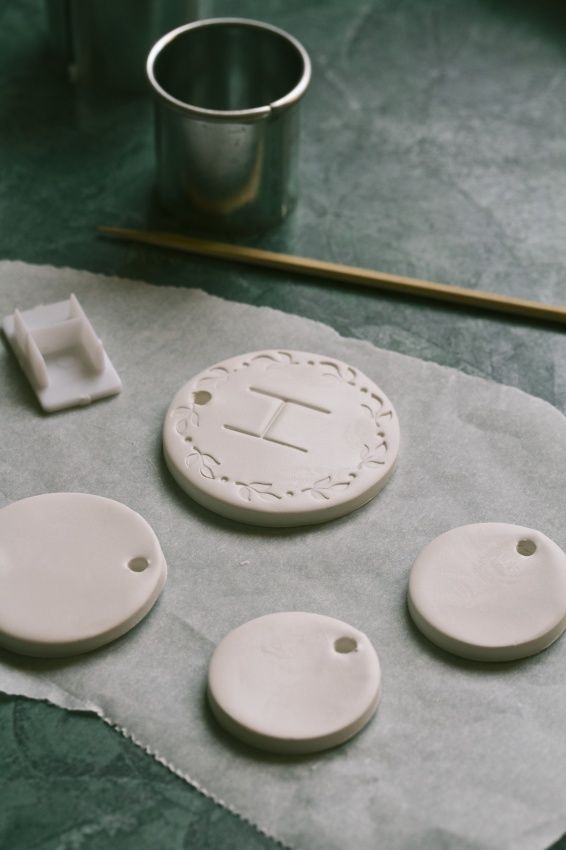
x: 526, y: 547
x: 345, y: 644
x: 201, y: 397
x: 138, y: 565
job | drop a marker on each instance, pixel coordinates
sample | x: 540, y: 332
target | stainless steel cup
x: 107, y: 41
x: 227, y: 119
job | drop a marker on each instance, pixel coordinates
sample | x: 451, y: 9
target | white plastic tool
x: 281, y: 438
x: 61, y: 355
x: 490, y: 592
x: 294, y: 682
x: 76, y: 571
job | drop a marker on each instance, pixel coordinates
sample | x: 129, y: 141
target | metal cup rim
x: 255, y: 114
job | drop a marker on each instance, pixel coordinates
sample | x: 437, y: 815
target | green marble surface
x: 434, y: 144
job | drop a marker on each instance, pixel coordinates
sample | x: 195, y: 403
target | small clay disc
x: 76, y: 571
x: 294, y: 682
x: 491, y: 591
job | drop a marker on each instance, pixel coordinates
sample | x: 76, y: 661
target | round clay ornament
x: 281, y: 438
x: 294, y: 682
x: 490, y: 591
x: 76, y: 571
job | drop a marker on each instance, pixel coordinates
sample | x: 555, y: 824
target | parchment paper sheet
x: 460, y: 754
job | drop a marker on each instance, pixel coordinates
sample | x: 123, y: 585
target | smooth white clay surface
x: 76, y: 571
x: 294, y: 682
x: 490, y: 592
x: 281, y: 438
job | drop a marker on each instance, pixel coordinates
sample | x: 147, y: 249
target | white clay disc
x: 281, y: 438
x: 294, y: 682
x: 76, y: 571
x: 491, y: 591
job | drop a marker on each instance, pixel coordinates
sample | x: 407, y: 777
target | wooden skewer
x: 344, y: 274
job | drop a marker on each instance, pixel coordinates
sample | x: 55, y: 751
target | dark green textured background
x: 433, y: 145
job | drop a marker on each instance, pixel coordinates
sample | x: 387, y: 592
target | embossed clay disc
x: 281, y: 438
x: 491, y: 591
x: 294, y: 682
x: 76, y: 571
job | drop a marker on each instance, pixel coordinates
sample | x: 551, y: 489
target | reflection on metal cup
x: 107, y: 41
x: 227, y: 110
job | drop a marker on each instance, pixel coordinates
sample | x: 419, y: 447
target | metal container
x: 227, y: 110
x: 107, y: 41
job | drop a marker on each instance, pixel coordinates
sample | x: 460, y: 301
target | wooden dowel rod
x: 344, y: 274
